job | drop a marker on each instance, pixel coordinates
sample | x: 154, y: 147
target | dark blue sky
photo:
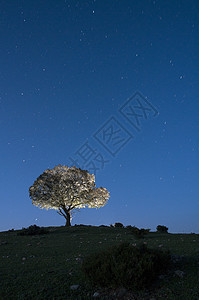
x: 66, y: 69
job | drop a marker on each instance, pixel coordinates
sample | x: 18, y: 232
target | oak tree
x: 67, y: 189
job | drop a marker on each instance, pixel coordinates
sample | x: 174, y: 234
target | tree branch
x: 61, y: 213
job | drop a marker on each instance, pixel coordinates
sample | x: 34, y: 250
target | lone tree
x: 66, y: 190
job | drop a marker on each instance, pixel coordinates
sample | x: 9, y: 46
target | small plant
x: 126, y: 266
x: 11, y: 230
x: 118, y: 225
x: 161, y: 228
x: 33, y: 230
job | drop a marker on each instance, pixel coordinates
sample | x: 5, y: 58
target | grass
x: 45, y: 266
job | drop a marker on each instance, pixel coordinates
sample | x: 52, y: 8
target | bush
x: 118, y: 225
x: 129, y: 227
x: 141, y: 232
x: 11, y: 230
x: 132, y: 229
x: 138, y: 233
x: 161, y: 228
x: 125, y: 266
x: 33, y: 230
x: 145, y: 231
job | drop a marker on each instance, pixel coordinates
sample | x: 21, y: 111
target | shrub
x: 138, y: 233
x: 33, y: 230
x: 132, y: 228
x: 125, y: 266
x: 128, y: 227
x: 161, y: 228
x: 141, y: 232
x: 11, y: 230
x: 145, y: 231
x: 118, y: 225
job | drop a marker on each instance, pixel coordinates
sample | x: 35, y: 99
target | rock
x: 23, y: 258
x: 78, y: 259
x: 96, y: 294
x: 74, y: 287
x: 179, y: 273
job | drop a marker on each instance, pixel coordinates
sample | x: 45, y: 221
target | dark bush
x: 145, y: 231
x: 11, y: 230
x: 125, y: 266
x: 138, y: 233
x: 134, y: 229
x: 33, y: 230
x: 118, y: 225
x: 161, y: 228
x: 128, y: 227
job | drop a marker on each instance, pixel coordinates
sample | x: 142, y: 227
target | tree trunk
x: 66, y: 214
x: 68, y: 219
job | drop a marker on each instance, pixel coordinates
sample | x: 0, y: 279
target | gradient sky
x: 70, y: 71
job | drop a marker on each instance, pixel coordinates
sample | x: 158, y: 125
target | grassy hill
x: 46, y: 266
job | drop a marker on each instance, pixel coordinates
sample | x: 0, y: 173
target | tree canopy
x: 66, y: 189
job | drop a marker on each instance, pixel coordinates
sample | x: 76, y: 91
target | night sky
x: 111, y: 86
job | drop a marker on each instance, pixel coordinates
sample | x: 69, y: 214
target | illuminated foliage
x: 67, y: 189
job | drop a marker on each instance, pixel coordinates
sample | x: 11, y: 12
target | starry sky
x: 112, y: 87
